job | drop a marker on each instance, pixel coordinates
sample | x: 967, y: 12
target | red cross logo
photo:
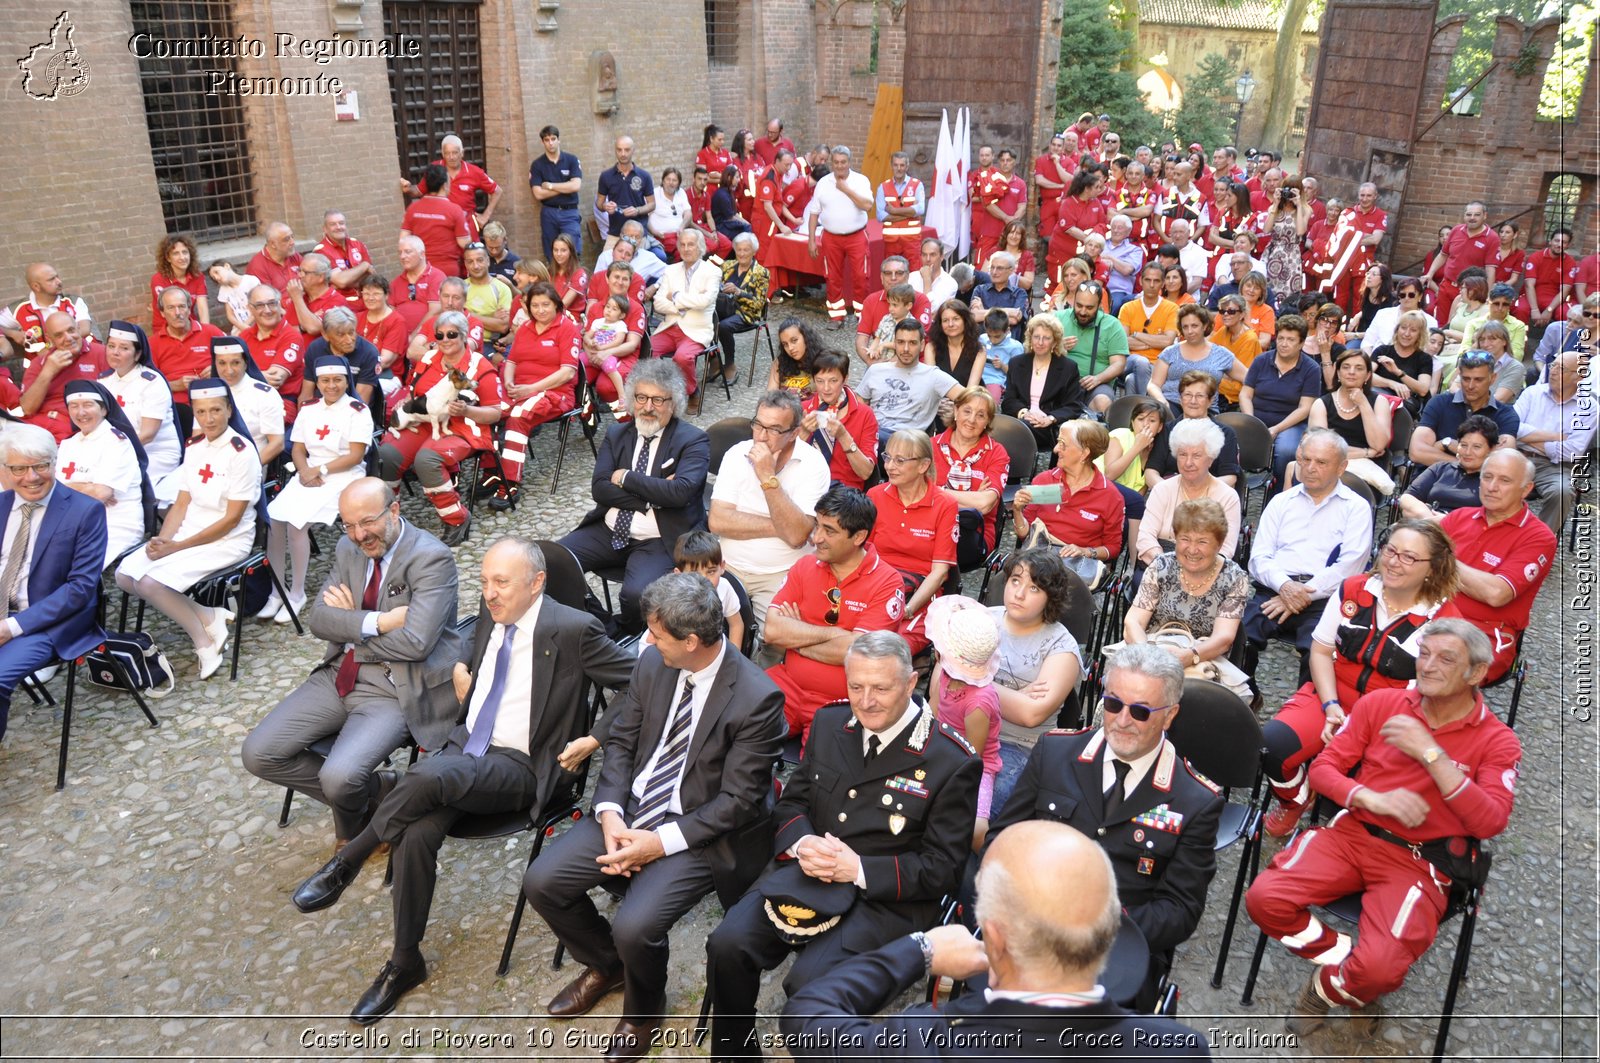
x: 121, y: 401
x: 206, y: 474
x: 322, y: 433
x: 67, y: 471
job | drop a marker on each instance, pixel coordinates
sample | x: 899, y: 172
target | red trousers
x: 1402, y: 900
x: 520, y: 421
x: 671, y: 342
x: 1347, y: 287
x: 844, y: 260
x: 908, y: 247
x: 1303, y: 715
x: 436, y: 461
x: 1443, y: 301
x: 1049, y: 210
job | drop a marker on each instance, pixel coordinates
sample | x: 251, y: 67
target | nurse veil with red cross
x: 216, y: 470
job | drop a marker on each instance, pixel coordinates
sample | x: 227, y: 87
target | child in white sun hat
x: 967, y: 640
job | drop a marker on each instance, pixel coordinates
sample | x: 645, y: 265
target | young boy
x: 999, y: 347
x: 901, y: 298
x: 701, y: 552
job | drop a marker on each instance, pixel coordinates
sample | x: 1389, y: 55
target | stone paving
x: 144, y: 911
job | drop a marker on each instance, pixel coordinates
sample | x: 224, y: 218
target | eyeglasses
x: 1403, y: 557
x: 656, y: 401
x: 1140, y: 713
x: 768, y: 430
x: 1411, y: 295
x: 446, y: 334
x: 832, y: 616
x: 476, y: 245
x: 1476, y: 359
x: 369, y: 524
x: 900, y: 459
x: 40, y: 469
x: 264, y: 304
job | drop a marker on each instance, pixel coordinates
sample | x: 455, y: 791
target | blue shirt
x: 1010, y: 297
x: 1128, y: 253
x: 1005, y: 350
x: 564, y: 169
x: 364, y: 359
x: 1277, y: 394
x: 625, y: 190
x: 1444, y: 414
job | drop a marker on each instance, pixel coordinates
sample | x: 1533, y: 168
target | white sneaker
x: 210, y: 660
x: 270, y: 610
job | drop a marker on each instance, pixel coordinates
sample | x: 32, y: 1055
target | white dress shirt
x: 644, y: 523
x: 1575, y: 419
x: 516, y: 699
x: 1137, y: 770
x: 13, y: 525
x: 1328, y: 540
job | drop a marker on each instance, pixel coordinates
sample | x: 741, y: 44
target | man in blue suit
x: 47, y: 595
x: 649, y: 487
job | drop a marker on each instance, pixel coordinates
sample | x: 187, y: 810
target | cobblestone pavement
x: 144, y: 911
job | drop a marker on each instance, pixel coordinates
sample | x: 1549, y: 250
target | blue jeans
x: 1117, y: 299
x: 1136, y: 378
x: 1283, y: 449
x: 1013, y: 758
x: 554, y: 220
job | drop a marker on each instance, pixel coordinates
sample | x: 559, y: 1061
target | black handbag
x: 141, y: 664
x: 1465, y: 860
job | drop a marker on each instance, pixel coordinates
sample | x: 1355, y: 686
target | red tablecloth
x: 790, y: 262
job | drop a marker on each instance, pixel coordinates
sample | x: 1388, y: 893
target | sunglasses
x: 446, y: 334
x: 832, y: 615
x: 1140, y: 713
x: 1411, y: 295
x: 1477, y: 359
x: 1231, y: 310
x: 476, y: 245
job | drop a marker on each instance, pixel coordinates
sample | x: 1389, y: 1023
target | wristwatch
x: 927, y: 950
x: 322, y: 471
x: 1432, y: 755
x: 770, y: 483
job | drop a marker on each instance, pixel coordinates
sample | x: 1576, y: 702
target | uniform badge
x: 1147, y: 865
x: 920, y: 774
x: 1348, y: 609
x: 897, y: 823
x: 1138, y: 835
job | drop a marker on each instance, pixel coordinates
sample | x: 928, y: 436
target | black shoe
x: 504, y: 500
x: 385, y: 992
x: 386, y: 778
x: 456, y: 534
x: 322, y: 889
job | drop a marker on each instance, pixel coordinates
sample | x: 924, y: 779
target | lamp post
x: 1243, y: 89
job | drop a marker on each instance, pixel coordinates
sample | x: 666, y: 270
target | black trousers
x: 1259, y: 629
x: 643, y: 562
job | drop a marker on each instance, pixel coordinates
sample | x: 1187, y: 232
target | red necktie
x: 345, y: 681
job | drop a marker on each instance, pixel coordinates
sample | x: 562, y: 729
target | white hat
x: 967, y: 638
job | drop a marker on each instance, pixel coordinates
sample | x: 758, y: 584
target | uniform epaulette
x: 118, y: 433
x: 957, y: 737
x: 1063, y: 732
x: 357, y: 405
x: 148, y: 374
x: 239, y: 443
x: 262, y: 387
x: 1201, y: 779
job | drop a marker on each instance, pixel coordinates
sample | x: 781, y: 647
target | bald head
x: 1037, y: 935
x: 61, y: 331
x: 43, y: 281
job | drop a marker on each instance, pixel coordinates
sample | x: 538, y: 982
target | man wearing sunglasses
x: 1435, y: 437
x: 1125, y: 785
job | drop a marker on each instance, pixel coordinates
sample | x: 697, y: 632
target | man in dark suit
x: 47, y: 593
x: 1043, y: 949
x: 649, y: 487
x: 680, y: 809
x: 388, y: 611
x: 499, y: 757
x: 883, y: 801
x: 1125, y: 786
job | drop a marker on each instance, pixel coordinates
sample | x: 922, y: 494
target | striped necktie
x: 19, y: 555
x: 664, y: 780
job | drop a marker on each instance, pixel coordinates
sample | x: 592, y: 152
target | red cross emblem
x: 206, y: 474
x: 322, y: 433
x: 67, y: 471
x: 121, y: 401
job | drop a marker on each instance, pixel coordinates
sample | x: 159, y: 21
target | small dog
x: 434, y: 405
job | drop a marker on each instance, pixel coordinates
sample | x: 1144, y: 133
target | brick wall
x: 847, y: 89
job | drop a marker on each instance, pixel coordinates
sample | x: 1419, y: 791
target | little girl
x: 967, y: 640
x: 610, y: 330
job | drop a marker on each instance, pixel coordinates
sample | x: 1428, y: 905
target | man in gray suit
x: 500, y: 756
x: 680, y: 810
x: 388, y: 611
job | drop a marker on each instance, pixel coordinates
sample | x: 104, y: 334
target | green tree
x: 1209, y: 104
x: 1094, y: 75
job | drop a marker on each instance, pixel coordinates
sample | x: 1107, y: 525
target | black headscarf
x: 142, y: 356
x: 118, y: 419
x: 216, y: 387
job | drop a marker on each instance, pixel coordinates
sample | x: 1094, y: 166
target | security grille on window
x: 197, y: 141
x: 441, y: 90
x: 722, y: 31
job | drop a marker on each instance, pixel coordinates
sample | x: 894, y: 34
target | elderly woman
x: 1042, y: 390
x: 953, y: 344
x: 330, y: 441
x: 1079, y: 511
x: 972, y: 468
x: 341, y: 337
x: 1194, y: 350
x: 1197, y: 390
x: 259, y: 407
x: 1450, y: 485
x: 146, y: 399
x: 470, y: 425
x: 106, y: 461
x: 1195, y: 445
x: 742, y: 299
x: 1040, y: 661
x: 1360, y: 417
x: 209, y: 527
x: 1195, y: 584
x: 916, y: 527
x: 1404, y: 367
x: 1366, y: 640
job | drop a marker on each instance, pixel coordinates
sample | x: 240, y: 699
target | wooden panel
x: 883, y: 135
x: 440, y: 91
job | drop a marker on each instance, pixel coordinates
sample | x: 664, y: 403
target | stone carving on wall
x: 603, y: 76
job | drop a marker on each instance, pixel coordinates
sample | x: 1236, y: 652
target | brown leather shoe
x: 584, y: 992
x: 631, y: 1041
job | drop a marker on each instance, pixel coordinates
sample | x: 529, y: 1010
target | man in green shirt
x: 1097, y: 342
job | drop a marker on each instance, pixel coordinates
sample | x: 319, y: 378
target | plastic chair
x: 1120, y: 413
x: 1022, y: 451
x: 1255, y: 452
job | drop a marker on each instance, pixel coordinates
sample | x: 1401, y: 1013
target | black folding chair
x: 724, y: 436
x: 1022, y: 451
x: 763, y: 328
x: 583, y: 412
x: 564, y: 579
x: 1255, y: 454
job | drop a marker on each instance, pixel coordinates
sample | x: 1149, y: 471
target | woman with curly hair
x: 178, y: 265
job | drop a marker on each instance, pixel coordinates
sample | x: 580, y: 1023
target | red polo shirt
x: 539, y: 354
x: 876, y: 307
x: 983, y: 468
x: 914, y: 538
x: 1086, y: 214
x: 1588, y: 273
x: 263, y: 269
x: 412, y: 298
x: 469, y: 179
x: 438, y: 223
x: 765, y: 150
x: 1519, y: 549
x: 180, y: 357
x: 1045, y: 166
x: 325, y: 302
x: 796, y: 194
x: 52, y: 411
x: 351, y: 254
x: 872, y: 598
x: 1463, y: 251
x: 1092, y: 516
x: 862, y: 424
x: 1549, y: 272
x: 600, y: 290
x: 285, y: 347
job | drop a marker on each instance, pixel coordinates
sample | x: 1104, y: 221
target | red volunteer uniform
x: 578, y: 281
x: 411, y: 298
x: 537, y: 355
x: 474, y: 331
x: 438, y: 223
x: 767, y: 151
x: 1588, y: 275
x: 1520, y: 550
x: 1076, y: 213
x: 52, y: 412
x: 1403, y: 896
x: 872, y: 598
x: 796, y: 194
x: 1462, y: 251
x: 1090, y: 517
x: 263, y: 269
x: 465, y: 435
x: 344, y: 256
x: 596, y: 374
x: 914, y: 538
x: 858, y: 420
x: 286, y: 347
x: 841, y: 228
x: 1057, y: 168
x: 983, y: 468
x: 194, y: 284
x: 1342, y: 269
x: 902, y: 236
x: 767, y: 192
x: 30, y: 317
x: 600, y: 288
x: 189, y: 355
x: 1145, y: 232
x: 1547, y: 273
x: 714, y: 161
x: 462, y: 191
x: 876, y: 307
x: 386, y: 335
x: 325, y: 302
x: 978, y: 193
